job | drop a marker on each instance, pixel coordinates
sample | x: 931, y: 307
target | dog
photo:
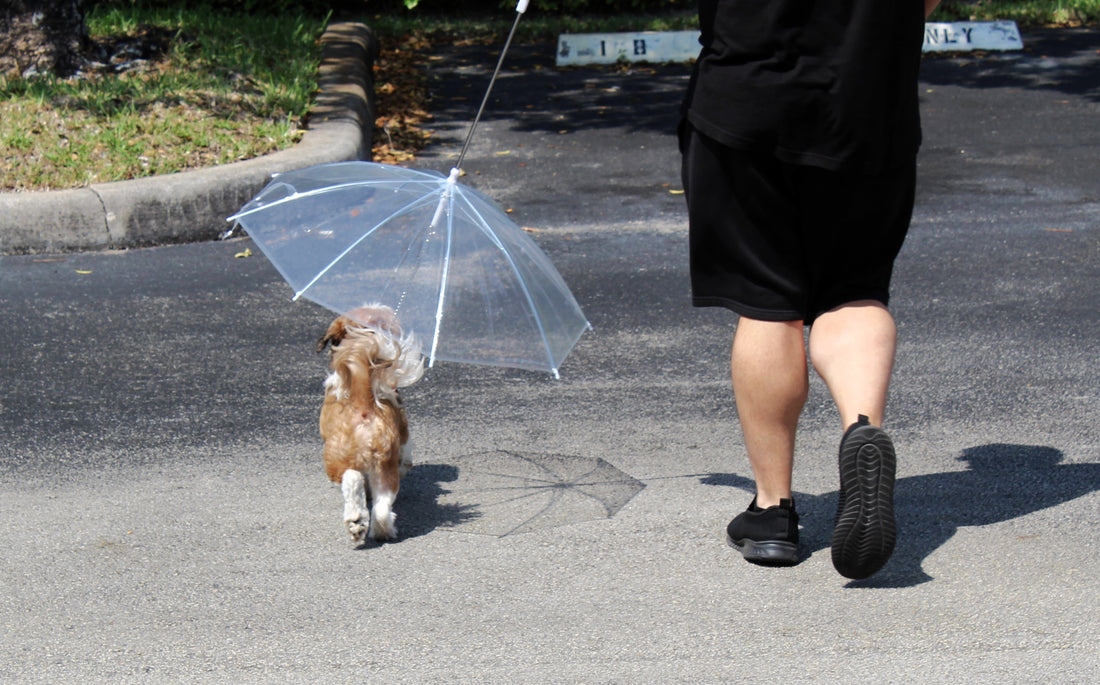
x: 363, y: 421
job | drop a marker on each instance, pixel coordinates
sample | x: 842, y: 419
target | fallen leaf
x: 240, y: 255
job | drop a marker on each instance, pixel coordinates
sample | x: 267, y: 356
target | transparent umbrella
x: 461, y: 275
x: 455, y: 269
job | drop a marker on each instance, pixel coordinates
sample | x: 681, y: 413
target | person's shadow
x: 1002, y: 482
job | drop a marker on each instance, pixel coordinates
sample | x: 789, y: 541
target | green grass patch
x: 1026, y: 13
x: 225, y: 87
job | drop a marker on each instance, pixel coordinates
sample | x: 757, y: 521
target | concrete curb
x: 192, y: 205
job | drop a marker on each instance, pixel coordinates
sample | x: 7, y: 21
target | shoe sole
x: 766, y: 553
x: 865, y: 531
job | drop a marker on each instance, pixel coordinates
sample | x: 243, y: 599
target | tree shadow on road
x: 537, y: 96
x: 1060, y: 60
x: 1002, y: 482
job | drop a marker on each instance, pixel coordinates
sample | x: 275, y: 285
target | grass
x: 225, y: 88
x: 229, y: 87
x: 1026, y: 13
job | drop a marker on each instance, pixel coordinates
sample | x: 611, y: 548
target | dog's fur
x: 363, y: 422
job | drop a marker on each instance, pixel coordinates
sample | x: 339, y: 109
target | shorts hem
x: 747, y: 310
x: 760, y: 314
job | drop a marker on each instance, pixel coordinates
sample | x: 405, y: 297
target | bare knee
x: 856, y: 329
x: 852, y: 349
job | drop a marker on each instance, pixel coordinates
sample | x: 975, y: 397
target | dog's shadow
x: 1002, y: 482
x: 419, y: 511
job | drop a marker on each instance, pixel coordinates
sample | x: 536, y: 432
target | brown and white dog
x: 363, y: 422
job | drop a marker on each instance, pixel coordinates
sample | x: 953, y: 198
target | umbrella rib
x: 448, y: 198
x: 403, y: 210
x: 483, y: 225
x: 326, y: 189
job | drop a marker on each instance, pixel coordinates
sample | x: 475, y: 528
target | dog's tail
x: 398, y: 364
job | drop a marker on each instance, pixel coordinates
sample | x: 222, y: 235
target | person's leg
x: 770, y: 384
x: 852, y: 349
x: 768, y: 366
x: 746, y: 255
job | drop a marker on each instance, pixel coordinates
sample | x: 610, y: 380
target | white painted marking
x: 683, y: 46
x: 972, y: 35
x: 643, y: 46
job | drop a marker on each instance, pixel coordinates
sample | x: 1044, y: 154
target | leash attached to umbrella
x: 521, y: 7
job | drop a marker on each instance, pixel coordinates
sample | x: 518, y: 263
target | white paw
x: 358, y: 530
x: 384, y: 528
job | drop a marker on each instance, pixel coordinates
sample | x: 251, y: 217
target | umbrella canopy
x: 454, y: 268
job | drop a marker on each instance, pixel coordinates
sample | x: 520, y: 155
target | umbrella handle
x: 444, y: 197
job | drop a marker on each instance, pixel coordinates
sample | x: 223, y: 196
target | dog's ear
x: 336, y: 332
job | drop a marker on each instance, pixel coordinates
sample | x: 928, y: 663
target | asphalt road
x: 166, y: 517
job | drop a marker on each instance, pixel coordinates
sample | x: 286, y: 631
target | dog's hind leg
x: 353, y: 486
x: 383, y: 491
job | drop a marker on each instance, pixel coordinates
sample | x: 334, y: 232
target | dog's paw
x: 384, y: 529
x: 358, y: 530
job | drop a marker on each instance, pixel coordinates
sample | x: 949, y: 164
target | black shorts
x: 784, y: 242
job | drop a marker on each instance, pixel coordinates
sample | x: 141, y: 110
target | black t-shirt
x: 828, y: 83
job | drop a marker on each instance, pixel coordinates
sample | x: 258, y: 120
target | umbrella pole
x: 444, y: 210
x: 521, y: 7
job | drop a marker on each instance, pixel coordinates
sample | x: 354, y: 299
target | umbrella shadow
x: 1002, y: 482
x: 502, y: 493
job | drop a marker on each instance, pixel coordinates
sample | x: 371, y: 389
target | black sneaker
x: 865, y: 531
x: 768, y: 537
